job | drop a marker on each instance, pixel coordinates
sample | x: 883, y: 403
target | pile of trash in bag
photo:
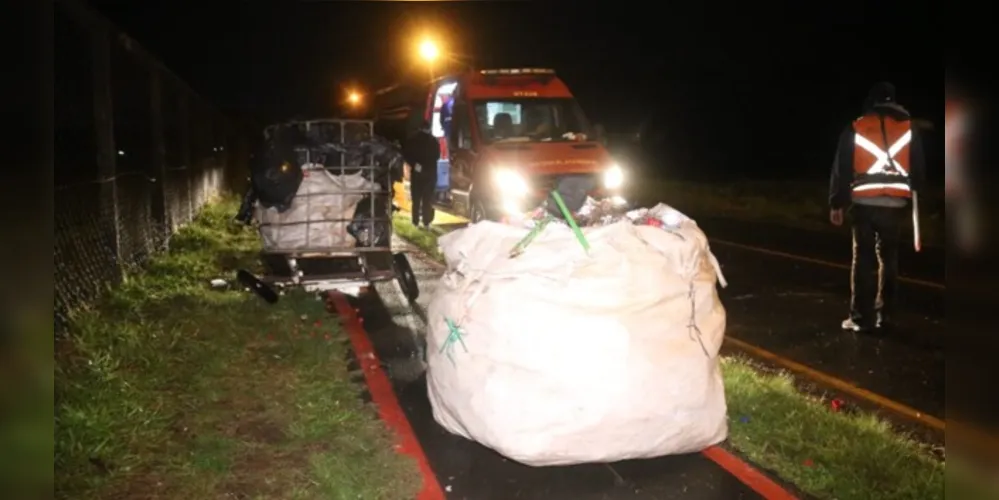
x: 587, y: 338
x: 323, y: 184
x: 319, y: 215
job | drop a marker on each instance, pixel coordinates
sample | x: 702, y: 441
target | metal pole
x: 184, y: 112
x: 159, y: 152
x: 104, y: 125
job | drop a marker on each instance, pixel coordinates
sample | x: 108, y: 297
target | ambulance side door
x: 461, y: 146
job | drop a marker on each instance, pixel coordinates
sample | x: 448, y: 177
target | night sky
x: 748, y: 91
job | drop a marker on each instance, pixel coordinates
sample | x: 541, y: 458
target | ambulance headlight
x: 510, y: 183
x: 613, y: 177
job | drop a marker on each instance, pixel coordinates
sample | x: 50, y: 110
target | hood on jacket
x: 881, y: 100
x: 890, y: 109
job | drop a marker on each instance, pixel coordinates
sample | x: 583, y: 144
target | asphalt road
x: 794, y: 309
x: 792, y: 305
x: 833, y: 246
x: 467, y: 470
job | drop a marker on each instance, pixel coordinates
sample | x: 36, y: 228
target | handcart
x: 355, y: 235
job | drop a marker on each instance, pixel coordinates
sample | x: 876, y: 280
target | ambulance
x: 506, y: 136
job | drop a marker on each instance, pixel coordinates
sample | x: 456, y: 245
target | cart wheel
x: 407, y: 279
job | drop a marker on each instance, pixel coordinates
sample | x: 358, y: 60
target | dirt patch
x: 239, y: 491
x: 143, y: 485
x: 264, y: 475
x: 260, y: 431
x: 180, y: 428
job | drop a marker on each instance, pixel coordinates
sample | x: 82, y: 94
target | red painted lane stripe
x: 749, y: 476
x: 384, y: 397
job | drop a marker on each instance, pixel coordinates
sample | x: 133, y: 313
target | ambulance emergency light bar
x: 518, y: 71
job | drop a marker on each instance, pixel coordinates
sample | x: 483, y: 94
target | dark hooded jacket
x: 423, y: 148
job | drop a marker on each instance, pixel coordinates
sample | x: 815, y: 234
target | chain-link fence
x: 137, y: 153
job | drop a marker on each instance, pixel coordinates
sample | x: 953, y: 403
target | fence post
x: 159, y: 148
x: 184, y: 112
x: 104, y: 126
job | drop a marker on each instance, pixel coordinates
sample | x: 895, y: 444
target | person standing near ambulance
x: 421, y: 152
x: 879, y: 164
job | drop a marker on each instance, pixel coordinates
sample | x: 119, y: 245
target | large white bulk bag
x: 559, y: 357
x: 311, y: 220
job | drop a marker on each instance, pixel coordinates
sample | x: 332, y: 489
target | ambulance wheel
x: 478, y: 212
x: 406, y: 277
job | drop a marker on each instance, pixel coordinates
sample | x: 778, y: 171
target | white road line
x: 812, y: 260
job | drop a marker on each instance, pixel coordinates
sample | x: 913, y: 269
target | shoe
x: 426, y: 226
x: 850, y: 325
x: 884, y: 322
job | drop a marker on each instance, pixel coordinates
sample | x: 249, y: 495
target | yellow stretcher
x: 405, y: 203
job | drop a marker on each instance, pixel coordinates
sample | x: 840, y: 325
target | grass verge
x: 831, y: 455
x: 794, y: 204
x: 169, y: 389
x: 825, y: 453
x: 423, y: 239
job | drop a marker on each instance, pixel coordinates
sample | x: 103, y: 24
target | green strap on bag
x: 543, y: 223
x: 454, y: 335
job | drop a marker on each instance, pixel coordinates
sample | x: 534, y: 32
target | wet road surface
x: 467, y: 470
x: 793, y: 308
x: 927, y: 265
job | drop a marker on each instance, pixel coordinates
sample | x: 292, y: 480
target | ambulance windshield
x: 531, y: 120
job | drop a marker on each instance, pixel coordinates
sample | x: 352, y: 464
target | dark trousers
x: 874, y: 273
x: 421, y: 192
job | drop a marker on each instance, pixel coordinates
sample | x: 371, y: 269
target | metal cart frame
x: 354, y: 266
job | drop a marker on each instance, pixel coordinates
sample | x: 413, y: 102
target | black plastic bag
x: 277, y: 186
x: 385, y: 157
x: 276, y: 173
x: 371, y: 229
x: 573, y: 189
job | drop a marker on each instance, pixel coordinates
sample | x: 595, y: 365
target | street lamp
x: 354, y: 98
x: 429, y: 51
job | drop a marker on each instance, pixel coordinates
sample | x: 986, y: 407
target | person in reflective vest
x: 879, y: 163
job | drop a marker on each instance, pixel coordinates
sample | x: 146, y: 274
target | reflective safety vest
x: 881, y: 157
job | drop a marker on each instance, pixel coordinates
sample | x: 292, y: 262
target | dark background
x: 714, y: 89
